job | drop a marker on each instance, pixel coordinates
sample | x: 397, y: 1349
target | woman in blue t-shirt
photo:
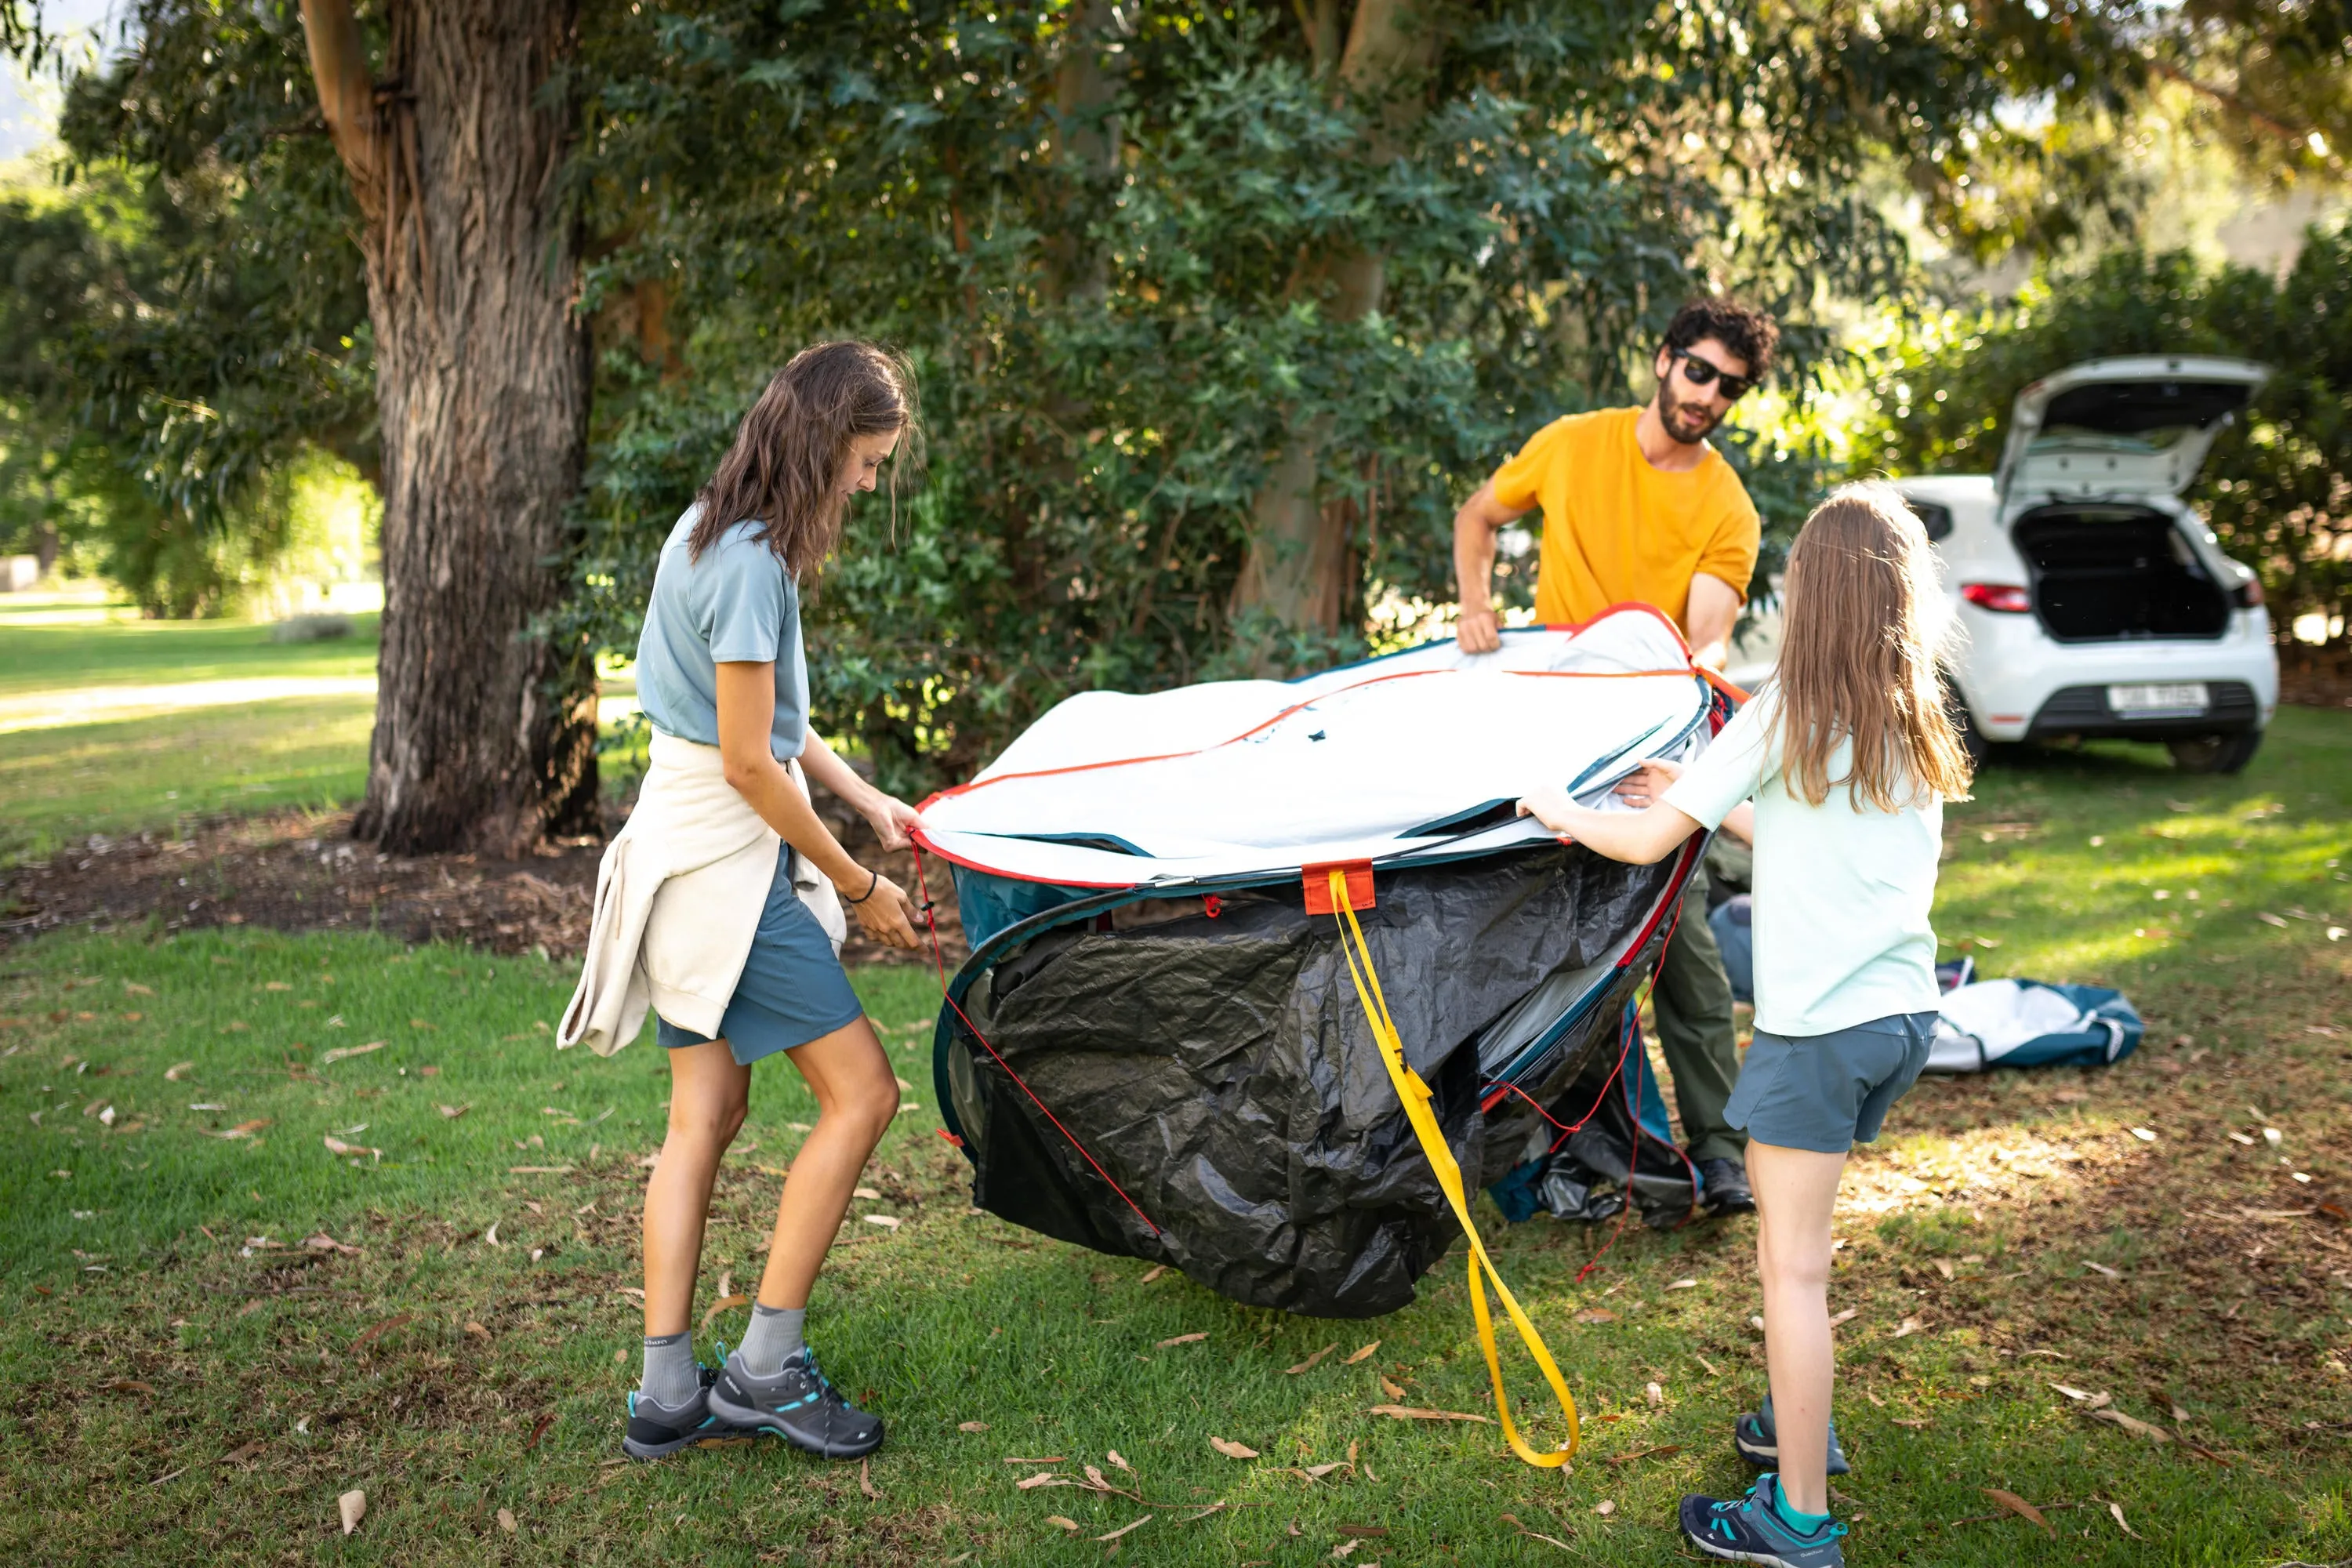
x: 720, y: 665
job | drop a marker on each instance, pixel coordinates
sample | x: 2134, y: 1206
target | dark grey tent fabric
x: 1222, y: 1070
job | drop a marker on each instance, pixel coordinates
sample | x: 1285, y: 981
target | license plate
x: 2179, y: 699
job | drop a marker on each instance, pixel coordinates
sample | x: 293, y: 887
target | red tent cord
x: 939, y: 961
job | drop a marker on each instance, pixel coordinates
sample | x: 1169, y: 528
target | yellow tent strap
x: 1415, y: 1097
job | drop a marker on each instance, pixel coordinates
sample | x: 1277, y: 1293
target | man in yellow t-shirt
x: 1638, y: 507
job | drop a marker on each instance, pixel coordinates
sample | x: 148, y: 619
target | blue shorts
x: 793, y: 989
x: 1828, y: 1092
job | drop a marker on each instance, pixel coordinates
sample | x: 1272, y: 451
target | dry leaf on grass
x: 491, y: 1234
x: 1916, y: 1425
x: 538, y: 1430
x: 131, y: 1385
x: 507, y: 1520
x: 238, y: 1455
x: 1683, y: 1285
x: 353, y: 1506
x: 1360, y: 1354
x: 2085, y: 1397
x: 1309, y: 1364
x: 2102, y: 1269
x: 173, y: 1073
x: 1907, y: 1327
x: 725, y: 1304
x: 1407, y: 1413
x: 455, y: 1111
x: 887, y: 1221
x: 1059, y: 1521
x: 322, y: 1242
x: 1596, y: 1315
x: 341, y: 1053
x: 1154, y: 1272
x: 242, y: 1129
x: 2117, y: 1508
x: 474, y: 1328
x: 1232, y: 1450
x: 972, y: 1425
x: 1848, y: 1316
x: 337, y: 1146
x: 866, y: 1479
x: 1393, y: 1390
x: 1182, y: 1340
x: 1605, y: 1507
x: 1654, y: 1393
x: 864, y: 1192
x: 1114, y: 1457
x: 1048, y: 1459
x: 1042, y: 1479
x: 375, y: 1332
x: 2020, y: 1507
x: 1123, y: 1529
x: 2131, y: 1424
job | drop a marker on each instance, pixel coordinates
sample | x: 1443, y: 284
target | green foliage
x: 2277, y: 487
x: 183, y: 315
x: 1123, y: 314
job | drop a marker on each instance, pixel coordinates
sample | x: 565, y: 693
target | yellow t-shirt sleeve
x: 1730, y: 551
x: 1518, y: 484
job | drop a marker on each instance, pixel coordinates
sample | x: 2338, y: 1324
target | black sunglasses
x: 1701, y: 373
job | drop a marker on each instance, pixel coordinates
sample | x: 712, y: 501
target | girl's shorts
x: 1827, y: 1092
x: 793, y: 989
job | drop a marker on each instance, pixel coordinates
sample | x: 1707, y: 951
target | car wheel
x: 2215, y: 754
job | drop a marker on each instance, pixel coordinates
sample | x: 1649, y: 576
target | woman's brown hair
x: 783, y: 471
x: 1862, y: 624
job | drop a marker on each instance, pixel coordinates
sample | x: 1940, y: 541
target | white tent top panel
x: 1364, y: 762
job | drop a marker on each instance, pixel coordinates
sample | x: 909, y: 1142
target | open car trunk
x: 2107, y: 573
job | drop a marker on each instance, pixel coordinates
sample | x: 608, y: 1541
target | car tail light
x: 2007, y: 598
x: 2248, y: 594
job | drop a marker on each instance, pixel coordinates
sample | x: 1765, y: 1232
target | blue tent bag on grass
x: 2033, y: 1023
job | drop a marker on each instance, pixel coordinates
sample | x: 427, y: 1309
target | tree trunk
x: 484, y: 733
x: 1300, y: 561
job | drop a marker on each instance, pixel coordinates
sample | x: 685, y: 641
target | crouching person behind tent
x: 720, y: 904
x: 1848, y: 757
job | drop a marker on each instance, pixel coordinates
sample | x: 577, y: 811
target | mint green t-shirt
x: 736, y: 604
x: 1842, y: 889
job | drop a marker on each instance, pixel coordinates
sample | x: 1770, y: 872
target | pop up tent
x: 1155, y: 1048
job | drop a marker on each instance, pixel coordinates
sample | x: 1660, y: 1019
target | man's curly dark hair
x: 1749, y: 333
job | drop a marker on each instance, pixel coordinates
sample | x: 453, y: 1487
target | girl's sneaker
x: 657, y: 1431
x: 1754, y: 1435
x: 1752, y: 1530
x: 799, y: 1404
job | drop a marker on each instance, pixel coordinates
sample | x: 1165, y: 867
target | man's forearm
x: 1474, y: 558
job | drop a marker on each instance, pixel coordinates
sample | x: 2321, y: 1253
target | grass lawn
x: 187, y: 1370
x: 163, y: 763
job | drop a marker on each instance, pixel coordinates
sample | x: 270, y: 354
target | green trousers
x: 1693, y: 1003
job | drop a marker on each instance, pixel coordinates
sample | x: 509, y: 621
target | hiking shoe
x: 1754, y: 1436
x: 798, y: 1404
x: 1723, y: 1188
x: 656, y: 1430
x: 1751, y: 1530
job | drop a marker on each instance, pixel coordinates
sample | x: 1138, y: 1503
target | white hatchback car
x: 2095, y: 602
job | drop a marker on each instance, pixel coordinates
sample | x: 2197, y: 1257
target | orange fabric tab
x: 1319, y: 886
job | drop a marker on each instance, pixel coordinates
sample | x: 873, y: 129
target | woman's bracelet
x: 869, y: 891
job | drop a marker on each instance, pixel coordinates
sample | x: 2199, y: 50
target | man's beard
x: 1688, y: 423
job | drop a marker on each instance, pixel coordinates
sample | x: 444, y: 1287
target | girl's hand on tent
x: 891, y: 819
x: 1646, y: 785
x: 1550, y: 807
x: 886, y: 915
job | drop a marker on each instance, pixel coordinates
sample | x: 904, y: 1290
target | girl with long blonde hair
x: 1837, y: 772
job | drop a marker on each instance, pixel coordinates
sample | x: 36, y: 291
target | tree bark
x: 485, y: 732
x: 1300, y: 560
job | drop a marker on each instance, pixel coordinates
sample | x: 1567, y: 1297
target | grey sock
x: 773, y: 1339
x: 670, y: 1378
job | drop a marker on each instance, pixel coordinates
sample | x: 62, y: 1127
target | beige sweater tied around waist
x: 679, y: 898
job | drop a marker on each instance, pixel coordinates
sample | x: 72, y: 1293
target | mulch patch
x: 2316, y: 676
x: 297, y: 871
